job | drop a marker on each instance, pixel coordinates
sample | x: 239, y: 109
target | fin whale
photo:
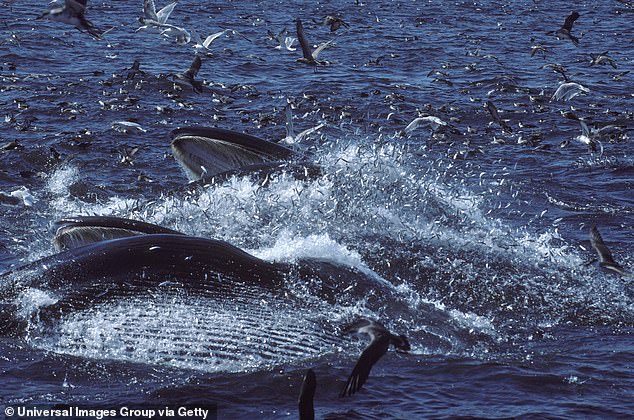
x: 80, y: 277
x: 155, y: 295
x: 141, y: 258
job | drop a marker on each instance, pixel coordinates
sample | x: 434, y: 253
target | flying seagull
x: 285, y: 42
x: 435, y: 123
x: 72, y: 13
x: 380, y: 340
x: 606, y: 261
x: 333, y: 22
x: 153, y: 18
x: 565, y: 31
x: 567, y: 91
x: 200, y: 44
x: 310, y: 56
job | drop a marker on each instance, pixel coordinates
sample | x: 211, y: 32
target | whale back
x: 140, y: 264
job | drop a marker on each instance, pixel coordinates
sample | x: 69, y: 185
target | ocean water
x: 471, y: 239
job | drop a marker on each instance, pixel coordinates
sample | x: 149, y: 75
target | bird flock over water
x: 73, y: 12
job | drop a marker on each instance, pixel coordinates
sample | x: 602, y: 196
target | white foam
x: 32, y: 299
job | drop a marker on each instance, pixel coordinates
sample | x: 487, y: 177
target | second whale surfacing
x: 206, y: 152
x: 212, y: 155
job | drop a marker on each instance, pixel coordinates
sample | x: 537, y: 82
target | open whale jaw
x: 207, y: 152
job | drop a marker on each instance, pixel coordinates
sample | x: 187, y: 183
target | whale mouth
x: 207, y: 152
x: 242, y: 332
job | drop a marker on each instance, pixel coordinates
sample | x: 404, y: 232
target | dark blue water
x: 481, y: 234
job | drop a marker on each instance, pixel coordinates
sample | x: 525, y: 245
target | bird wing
x: 493, y: 111
x: 605, y: 256
x: 567, y: 91
x: 361, y: 371
x: 413, y: 125
x: 194, y: 68
x: 164, y: 14
x: 303, y: 42
x: 288, y: 43
x: 149, y: 10
x: 77, y: 6
x: 196, y: 38
x: 307, y: 395
x: 585, y: 132
x: 570, y: 20
x: 281, y: 33
x: 211, y: 38
x: 308, y: 132
x: 320, y: 48
x: 170, y: 29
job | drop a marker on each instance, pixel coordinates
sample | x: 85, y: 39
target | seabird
x: 127, y: 127
x: 291, y: 137
x: 306, y: 396
x: 602, y: 59
x: 435, y: 123
x: 539, y: 48
x: 181, y: 35
x: 606, y: 261
x: 285, y: 42
x: 200, y: 44
x: 589, y: 138
x: 158, y: 20
x: 188, y: 78
x: 564, y: 31
x: 490, y: 106
x: 310, y: 57
x: 380, y: 340
x: 152, y: 18
x: 20, y: 196
x: 567, y: 91
x: 334, y: 22
x: 72, y: 13
x: 558, y: 68
x: 134, y: 70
